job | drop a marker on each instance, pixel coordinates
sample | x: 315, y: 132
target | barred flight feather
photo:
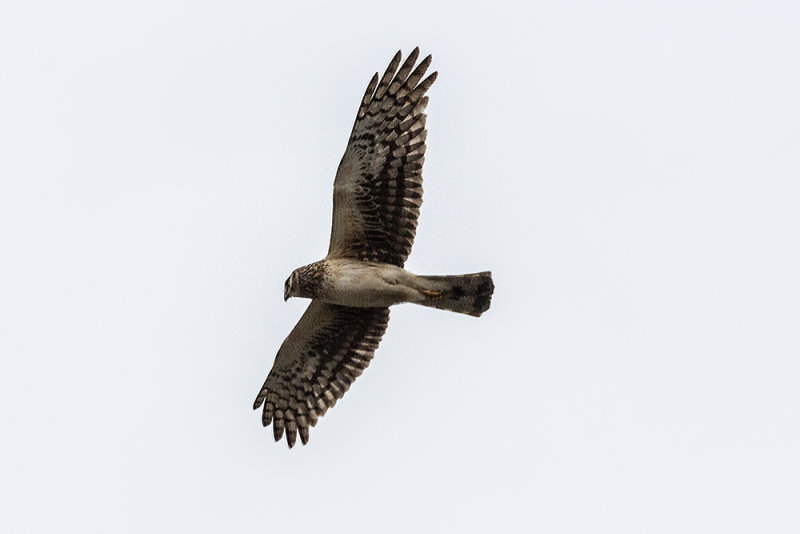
x: 378, y: 187
x: 328, y: 348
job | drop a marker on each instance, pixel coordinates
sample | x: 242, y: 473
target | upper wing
x: 378, y: 187
x: 328, y: 348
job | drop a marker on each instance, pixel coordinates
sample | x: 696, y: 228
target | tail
x: 465, y: 293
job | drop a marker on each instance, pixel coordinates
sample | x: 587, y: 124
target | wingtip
x: 427, y: 82
x: 258, y: 401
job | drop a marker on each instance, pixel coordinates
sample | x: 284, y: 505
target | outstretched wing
x: 378, y: 187
x: 328, y: 348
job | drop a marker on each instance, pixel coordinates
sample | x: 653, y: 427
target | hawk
x: 377, y: 193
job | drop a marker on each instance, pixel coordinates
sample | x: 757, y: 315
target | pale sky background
x: 628, y: 170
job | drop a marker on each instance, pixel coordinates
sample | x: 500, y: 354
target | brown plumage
x: 376, y: 199
x: 378, y: 187
x: 316, y: 365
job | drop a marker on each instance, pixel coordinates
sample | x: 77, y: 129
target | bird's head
x: 289, y: 286
x: 303, y: 282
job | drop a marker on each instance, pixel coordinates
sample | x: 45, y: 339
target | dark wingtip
x: 258, y: 402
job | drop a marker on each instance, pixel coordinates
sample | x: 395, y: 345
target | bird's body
x: 376, y: 199
x: 367, y: 284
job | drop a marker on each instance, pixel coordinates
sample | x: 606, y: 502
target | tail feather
x: 465, y: 293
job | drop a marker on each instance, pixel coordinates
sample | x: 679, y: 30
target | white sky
x: 628, y: 170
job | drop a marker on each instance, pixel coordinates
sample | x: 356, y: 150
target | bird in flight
x: 377, y: 193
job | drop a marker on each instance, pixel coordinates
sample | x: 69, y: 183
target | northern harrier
x: 377, y: 193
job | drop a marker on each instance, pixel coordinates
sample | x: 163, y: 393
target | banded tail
x: 464, y: 293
